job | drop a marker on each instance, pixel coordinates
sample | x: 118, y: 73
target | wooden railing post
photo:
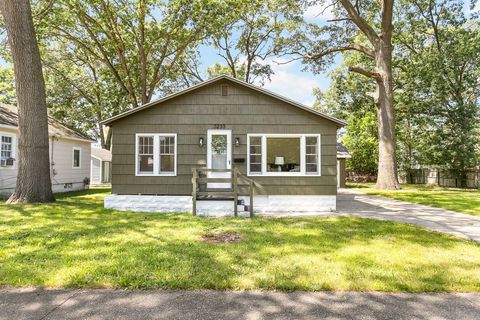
x: 235, y: 192
x: 194, y: 191
x: 251, y: 198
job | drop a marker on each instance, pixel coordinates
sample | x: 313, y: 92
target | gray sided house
x: 220, y: 147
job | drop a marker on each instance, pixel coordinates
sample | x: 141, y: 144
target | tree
x: 439, y: 68
x: 7, y: 86
x: 364, y: 27
x: 247, y: 41
x: 75, y: 81
x: 345, y: 99
x: 140, y: 43
x: 104, y: 57
x: 436, y: 91
x: 33, y: 178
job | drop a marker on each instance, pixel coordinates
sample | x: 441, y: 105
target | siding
x: 63, y: 159
x: 62, y: 164
x: 243, y: 111
x: 96, y: 176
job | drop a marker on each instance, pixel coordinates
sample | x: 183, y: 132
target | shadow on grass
x: 75, y: 242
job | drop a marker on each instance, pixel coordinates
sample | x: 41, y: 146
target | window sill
x: 155, y: 175
x: 283, y: 174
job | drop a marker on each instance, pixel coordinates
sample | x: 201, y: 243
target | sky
x: 288, y: 79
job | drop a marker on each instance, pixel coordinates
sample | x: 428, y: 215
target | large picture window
x: 156, y: 154
x: 283, y: 154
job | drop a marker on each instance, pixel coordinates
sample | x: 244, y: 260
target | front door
x: 219, y: 156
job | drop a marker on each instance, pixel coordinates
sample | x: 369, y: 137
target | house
x: 192, y: 150
x: 69, y: 154
x: 101, y: 166
x: 342, y: 156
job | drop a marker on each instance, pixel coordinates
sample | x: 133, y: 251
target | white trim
x: 7, y: 126
x: 79, y: 158
x: 14, y: 149
x: 228, y: 133
x: 302, y: 172
x: 156, y: 153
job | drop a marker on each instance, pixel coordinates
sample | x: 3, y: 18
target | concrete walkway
x: 357, y: 204
x: 118, y: 304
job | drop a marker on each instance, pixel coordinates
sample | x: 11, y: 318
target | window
x: 145, y: 154
x: 311, y: 155
x: 167, y: 154
x: 76, y: 157
x: 283, y: 154
x: 7, y: 150
x: 156, y: 154
x: 255, y: 155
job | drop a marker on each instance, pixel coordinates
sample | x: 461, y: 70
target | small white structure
x: 69, y: 154
x: 101, y: 172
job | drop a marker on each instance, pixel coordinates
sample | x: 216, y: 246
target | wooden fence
x: 445, y: 178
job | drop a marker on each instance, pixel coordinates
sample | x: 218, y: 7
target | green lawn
x: 76, y: 243
x: 460, y: 200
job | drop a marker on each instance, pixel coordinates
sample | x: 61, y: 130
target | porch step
x: 215, y: 193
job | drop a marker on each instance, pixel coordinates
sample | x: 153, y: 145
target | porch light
x: 200, y: 141
x: 237, y: 141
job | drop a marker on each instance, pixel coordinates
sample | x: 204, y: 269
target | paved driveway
x: 354, y: 203
x: 118, y: 304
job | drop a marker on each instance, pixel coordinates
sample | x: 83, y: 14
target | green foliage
x: 76, y: 242
x: 362, y: 142
x: 345, y: 99
x: 7, y: 86
x: 437, y: 89
x: 248, y: 40
x: 218, y: 69
x: 438, y: 86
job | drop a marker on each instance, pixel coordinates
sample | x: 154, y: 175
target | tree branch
x: 355, y: 47
x: 366, y: 73
x: 360, y: 22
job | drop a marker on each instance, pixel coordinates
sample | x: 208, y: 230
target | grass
x: 75, y: 242
x: 460, y: 200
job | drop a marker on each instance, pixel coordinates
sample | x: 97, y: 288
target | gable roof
x: 342, y: 151
x: 101, y: 154
x: 338, y: 122
x: 9, y: 117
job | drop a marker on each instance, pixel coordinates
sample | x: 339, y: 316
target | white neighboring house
x: 101, y: 165
x: 69, y: 154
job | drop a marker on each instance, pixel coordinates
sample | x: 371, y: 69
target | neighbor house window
x: 6, y: 150
x: 156, y: 154
x: 283, y: 154
x: 76, y: 157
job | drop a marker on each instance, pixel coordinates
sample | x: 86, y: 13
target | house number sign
x: 219, y: 126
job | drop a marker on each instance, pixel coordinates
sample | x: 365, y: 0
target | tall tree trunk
x: 387, y: 162
x: 33, y: 179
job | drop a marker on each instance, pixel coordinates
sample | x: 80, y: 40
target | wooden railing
x: 236, y: 180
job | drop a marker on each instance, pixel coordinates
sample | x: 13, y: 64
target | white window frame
x: 14, y: 149
x: 79, y: 158
x: 302, y: 172
x: 156, y: 155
